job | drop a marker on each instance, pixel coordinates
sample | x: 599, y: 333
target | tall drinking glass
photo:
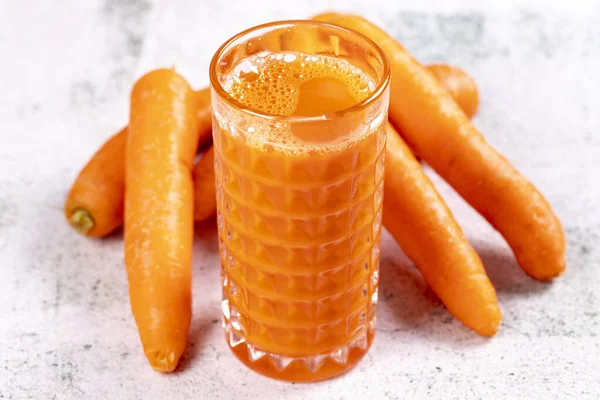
x: 299, y: 114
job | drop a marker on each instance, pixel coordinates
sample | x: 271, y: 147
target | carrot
x: 205, y: 202
x: 162, y: 142
x: 461, y: 86
x: 434, y: 126
x: 94, y: 206
x: 204, y: 116
x: 421, y: 223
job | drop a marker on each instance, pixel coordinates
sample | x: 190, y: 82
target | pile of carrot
x: 144, y: 177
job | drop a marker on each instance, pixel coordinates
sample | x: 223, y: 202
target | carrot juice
x: 299, y: 112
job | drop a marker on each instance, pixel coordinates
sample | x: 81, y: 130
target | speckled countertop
x: 66, y: 330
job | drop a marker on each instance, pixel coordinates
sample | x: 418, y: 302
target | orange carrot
x: 204, y: 116
x: 205, y: 202
x: 459, y: 84
x: 162, y: 142
x: 421, y: 223
x: 435, y: 127
x: 406, y: 191
x: 94, y: 205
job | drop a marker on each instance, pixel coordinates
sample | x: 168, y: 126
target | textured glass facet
x: 280, y: 212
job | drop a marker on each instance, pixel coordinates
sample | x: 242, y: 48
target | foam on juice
x: 298, y: 84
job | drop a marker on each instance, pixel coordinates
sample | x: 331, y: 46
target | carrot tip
x: 162, y: 361
x: 82, y: 221
x: 488, y: 322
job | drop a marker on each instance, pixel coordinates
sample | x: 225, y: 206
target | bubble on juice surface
x: 270, y: 83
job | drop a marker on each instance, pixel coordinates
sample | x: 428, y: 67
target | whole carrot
x: 162, y: 142
x: 205, y: 202
x: 421, y: 223
x: 435, y: 127
x: 94, y: 206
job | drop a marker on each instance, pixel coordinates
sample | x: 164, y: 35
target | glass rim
x: 216, y: 84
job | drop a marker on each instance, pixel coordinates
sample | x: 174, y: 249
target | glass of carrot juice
x: 299, y: 113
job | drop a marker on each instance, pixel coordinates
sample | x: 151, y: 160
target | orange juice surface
x: 299, y: 214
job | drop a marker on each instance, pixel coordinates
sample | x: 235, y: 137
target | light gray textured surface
x: 66, y: 330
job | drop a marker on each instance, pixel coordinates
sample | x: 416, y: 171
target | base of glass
x: 299, y: 369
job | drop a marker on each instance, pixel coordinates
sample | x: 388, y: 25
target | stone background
x: 66, y: 330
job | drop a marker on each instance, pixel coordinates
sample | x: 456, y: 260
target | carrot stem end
x: 82, y: 221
